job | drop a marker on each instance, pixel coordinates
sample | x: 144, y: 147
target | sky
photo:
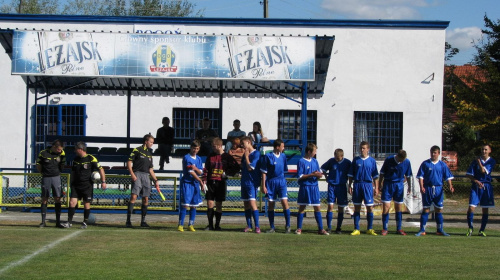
x: 466, y: 17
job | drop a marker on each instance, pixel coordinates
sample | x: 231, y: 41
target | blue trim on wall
x: 228, y: 21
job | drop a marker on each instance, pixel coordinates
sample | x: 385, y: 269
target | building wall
x: 371, y: 69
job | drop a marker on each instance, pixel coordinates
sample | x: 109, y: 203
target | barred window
x: 289, y: 125
x: 383, y: 130
x: 186, y: 121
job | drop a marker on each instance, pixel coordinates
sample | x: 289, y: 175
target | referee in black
x: 50, y: 163
x: 82, y: 187
x: 140, y: 166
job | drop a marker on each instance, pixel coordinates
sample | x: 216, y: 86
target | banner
x: 161, y: 55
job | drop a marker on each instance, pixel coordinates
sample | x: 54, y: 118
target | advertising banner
x: 163, y: 56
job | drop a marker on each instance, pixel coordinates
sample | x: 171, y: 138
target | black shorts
x: 82, y: 193
x: 216, y: 190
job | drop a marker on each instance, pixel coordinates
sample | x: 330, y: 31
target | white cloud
x: 463, y: 38
x: 377, y: 9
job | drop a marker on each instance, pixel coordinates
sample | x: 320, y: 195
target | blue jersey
x: 434, y: 173
x: 251, y: 177
x: 363, y: 169
x: 474, y: 170
x: 305, y: 167
x: 394, y: 171
x: 274, y: 166
x: 186, y: 172
x: 337, y: 171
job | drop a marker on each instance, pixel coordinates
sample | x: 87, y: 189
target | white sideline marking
x: 39, y: 251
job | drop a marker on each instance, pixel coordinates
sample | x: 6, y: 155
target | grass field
x: 113, y: 252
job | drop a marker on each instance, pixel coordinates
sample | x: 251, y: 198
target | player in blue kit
x: 250, y: 182
x: 395, y: 170
x: 481, y: 192
x: 430, y: 175
x: 335, y: 170
x: 308, y: 173
x: 364, y: 174
x: 190, y: 185
x: 274, y: 185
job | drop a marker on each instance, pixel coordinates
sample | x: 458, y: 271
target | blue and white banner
x: 161, y: 55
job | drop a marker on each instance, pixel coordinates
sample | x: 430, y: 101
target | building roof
x: 467, y: 73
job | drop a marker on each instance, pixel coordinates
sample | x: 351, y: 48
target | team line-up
x: 267, y: 173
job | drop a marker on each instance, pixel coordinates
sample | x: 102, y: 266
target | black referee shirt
x: 82, y: 170
x: 142, y: 159
x: 52, y: 163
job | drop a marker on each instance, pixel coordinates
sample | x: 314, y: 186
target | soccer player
x: 81, y: 182
x: 140, y: 167
x: 430, y: 175
x: 335, y: 170
x: 50, y: 163
x: 308, y: 173
x: 192, y: 166
x: 250, y: 182
x: 217, y: 165
x: 273, y: 169
x: 481, y: 192
x: 395, y: 170
x: 364, y: 174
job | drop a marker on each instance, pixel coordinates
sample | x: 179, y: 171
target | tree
x: 31, y: 7
x: 449, y: 51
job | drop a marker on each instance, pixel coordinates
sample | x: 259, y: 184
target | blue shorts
x: 276, y: 189
x: 362, y: 191
x: 337, y: 193
x: 392, y: 191
x: 483, y: 197
x: 433, y: 196
x: 190, y: 194
x: 308, y: 195
x: 248, y: 192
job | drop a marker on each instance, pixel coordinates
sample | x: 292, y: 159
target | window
x: 383, y: 130
x: 68, y: 120
x: 289, y: 125
x: 186, y: 121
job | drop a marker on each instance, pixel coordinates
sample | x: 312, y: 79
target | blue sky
x: 465, y: 16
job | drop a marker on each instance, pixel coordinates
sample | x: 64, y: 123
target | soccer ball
x: 96, y: 177
x: 91, y: 220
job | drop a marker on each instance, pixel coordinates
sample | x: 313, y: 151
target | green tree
x: 30, y: 7
x: 449, y: 51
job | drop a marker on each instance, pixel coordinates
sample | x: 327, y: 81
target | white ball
x: 96, y: 177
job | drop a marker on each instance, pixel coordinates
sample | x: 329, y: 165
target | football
x: 96, y: 177
x: 92, y: 219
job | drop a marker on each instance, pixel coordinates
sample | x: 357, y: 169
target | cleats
x: 298, y: 231
x: 128, y: 224
x: 191, y: 228
x: 401, y: 232
x: 384, y: 232
x: 288, y: 230
x: 355, y: 232
x: 323, y: 232
x: 249, y: 229
x: 218, y: 228
x: 84, y: 225
x: 338, y: 231
x: 66, y: 225
x: 371, y: 232
x: 329, y: 230
x: 144, y: 224
x: 180, y: 228
x: 420, y: 233
x: 271, y: 230
x: 481, y: 233
x: 208, y: 228
x: 257, y: 230
x: 42, y: 225
x: 442, y: 233
x: 59, y: 225
x: 469, y: 232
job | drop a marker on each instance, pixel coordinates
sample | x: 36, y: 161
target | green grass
x: 113, y: 252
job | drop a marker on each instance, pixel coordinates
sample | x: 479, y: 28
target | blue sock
x: 329, y: 218
x: 300, y: 217
x: 192, y: 215
x: 439, y: 222
x: 484, y: 221
x: 399, y: 220
x: 356, y: 220
x: 255, y: 218
x: 270, y: 215
x: 423, y: 220
x: 287, y: 217
x: 319, y: 220
x: 248, y: 217
x: 182, y: 216
x: 369, y: 219
x: 385, y: 221
x: 470, y: 219
x: 340, y: 219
